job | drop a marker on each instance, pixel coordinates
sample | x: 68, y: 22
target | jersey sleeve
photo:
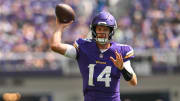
x: 128, y: 53
x: 76, y: 45
x: 79, y: 43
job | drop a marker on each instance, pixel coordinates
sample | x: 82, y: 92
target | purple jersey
x: 101, y: 79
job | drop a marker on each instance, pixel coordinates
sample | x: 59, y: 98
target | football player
x: 101, y: 62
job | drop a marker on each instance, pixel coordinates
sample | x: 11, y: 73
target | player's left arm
x: 126, y: 69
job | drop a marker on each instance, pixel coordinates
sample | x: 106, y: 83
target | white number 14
x: 106, y: 72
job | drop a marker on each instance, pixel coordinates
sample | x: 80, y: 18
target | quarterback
x: 101, y: 61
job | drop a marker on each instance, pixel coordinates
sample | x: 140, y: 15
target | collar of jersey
x: 110, y: 48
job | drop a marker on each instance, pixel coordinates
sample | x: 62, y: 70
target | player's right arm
x: 56, y: 43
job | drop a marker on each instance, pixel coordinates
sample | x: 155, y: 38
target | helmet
x: 105, y: 19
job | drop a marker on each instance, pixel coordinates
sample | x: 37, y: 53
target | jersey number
x: 104, y: 76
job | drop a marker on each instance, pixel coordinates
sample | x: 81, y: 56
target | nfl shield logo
x: 101, y: 55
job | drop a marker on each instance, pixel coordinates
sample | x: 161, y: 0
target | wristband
x: 127, y: 76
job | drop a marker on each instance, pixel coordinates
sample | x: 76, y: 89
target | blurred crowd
x: 151, y: 24
x: 27, y: 25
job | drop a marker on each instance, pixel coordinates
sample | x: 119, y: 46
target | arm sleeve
x: 127, y: 66
x: 74, y: 52
x: 70, y: 52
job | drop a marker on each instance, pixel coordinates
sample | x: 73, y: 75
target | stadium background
x: 28, y: 66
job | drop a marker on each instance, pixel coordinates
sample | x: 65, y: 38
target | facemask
x: 102, y: 40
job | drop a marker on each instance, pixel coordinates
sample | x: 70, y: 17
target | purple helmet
x: 105, y: 19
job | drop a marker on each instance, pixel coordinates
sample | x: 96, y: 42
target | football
x: 64, y: 13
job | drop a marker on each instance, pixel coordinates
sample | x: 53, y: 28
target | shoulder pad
x: 81, y: 41
x: 126, y: 51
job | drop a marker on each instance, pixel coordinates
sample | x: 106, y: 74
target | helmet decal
x: 102, y: 23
